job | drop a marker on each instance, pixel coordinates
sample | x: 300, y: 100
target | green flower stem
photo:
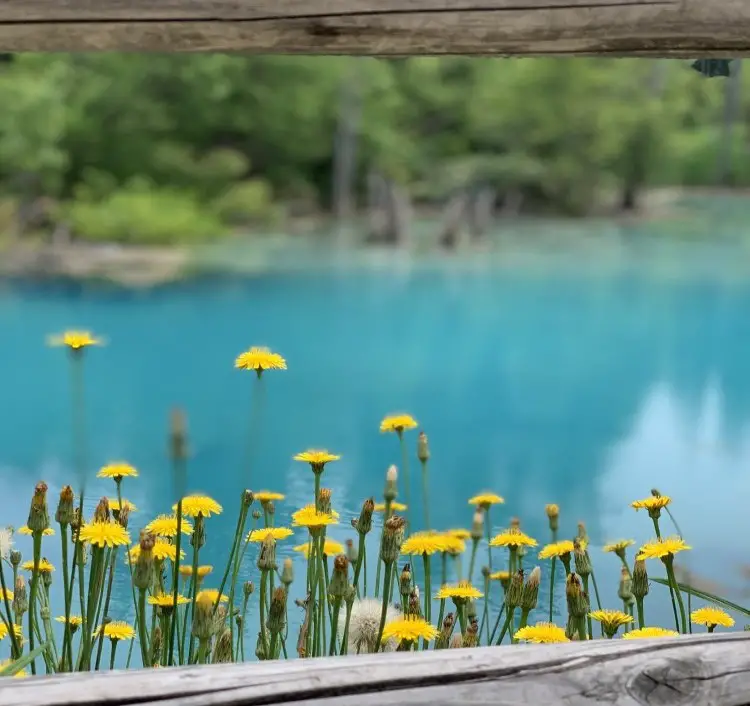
x: 263, y: 634
x: 669, y: 563
x: 112, y: 650
x: 322, y: 593
x: 132, y: 642
x: 524, y: 620
x: 15, y: 648
x: 345, y: 636
x: 95, y: 581
x: 143, y: 635
x: 37, y: 539
x: 176, y: 577
x: 106, y: 604
x: 360, y: 561
x: 185, y: 657
x: 639, y: 605
x: 407, y: 480
x: 506, y: 625
x: 585, y: 580
x: 552, y: 586
x: 461, y: 611
x: 425, y: 496
x: 194, y: 593
x: 235, y: 572
x: 459, y: 567
x: 581, y: 628
x: 656, y: 527
x: 334, y: 626
x: 497, y: 623
x: 66, y: 592
x: 427, y: 594
x: 474, y: 545
x: 488, y: 531
x: 202, y: 656
x: 386, y: 516
x: 386, y: 599
x: 486, y: 612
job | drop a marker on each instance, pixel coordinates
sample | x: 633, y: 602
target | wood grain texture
x: 689, y: 28
x: 692, y: 670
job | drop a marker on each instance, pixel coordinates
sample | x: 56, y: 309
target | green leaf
x: 24, y: 661
x: 706, y: 596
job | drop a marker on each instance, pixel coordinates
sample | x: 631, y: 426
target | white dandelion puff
x: 6, y: 541
x: 365, y: 624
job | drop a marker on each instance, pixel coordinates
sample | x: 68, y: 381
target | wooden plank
x: 690, y: 670
x: 688, y: 28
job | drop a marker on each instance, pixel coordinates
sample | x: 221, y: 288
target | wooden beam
x: 688, y: 28
x: 685, y: 671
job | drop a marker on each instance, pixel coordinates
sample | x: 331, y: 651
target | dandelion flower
x: 395, y: 507
x: 652, y: 502
x: 618, y: 546
x: 330, y: 548
x: 202, y: 571
x: 194, y: 505
x: 20, y: 674
x: 512, y: 538
x: 276, y: 533
x: 117, y: 630
x: 259, y: 359
x: 212, y: 595
x: 267, y: 496
x: 398, y: 423
x: 644, y: 633
x: 166, y: 600
x: 486, y: 499
x: 25, y: 530
x: 75, y: 340
x: 166, y: 526
x: 459, y: 533
x: 711, y: 617
x: 317, y: 458
x: 463, y: 589
x: 452, y: 544
x: 4, y: 631
x: 75, y: 620
x: 7, y: 593
x: 104, y: 534
x: 309, y: 517
x: 162, y: 550
x: 44, y: 566
x: 661, y: 548
x: 364, y: 626
x: 556, y: 549
x: 114, y: 505
x: 117, y: 471
x: 409, y: 629
x: 542, y: 634
x: 424, y: 543
x: 611, y: 620
x: 500, y: 576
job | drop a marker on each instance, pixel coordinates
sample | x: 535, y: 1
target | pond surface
x: 543, y: 384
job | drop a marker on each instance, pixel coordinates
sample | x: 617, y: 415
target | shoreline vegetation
x: 433, y: 589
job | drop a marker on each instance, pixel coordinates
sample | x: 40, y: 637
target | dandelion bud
x: 583, y: 563
x: 324, y: 500
x: 577, y: 599
x: 446, y: 629
x: 515, y: 524
x: 423, y: 448
x: 156, y: 647
x: 248, y: 498
x: 203, y: 620
x: 571, y: 628
x: 46, y: 576
x: 270, y: 508
x: 248, y: 588
x: 471, y: 636
x: 177, y: 435
x: 515, y: 590
x: 393, y: 537
x: 101, y: 514
x: 349, y: 595
x: 198, y: 538
x: 457, y: 642
x: 625, y: 589
x: 38, y: 515
x: 223, y: 648
x: 477, y: 526
x: 260, y: 651
x: 391, y: 478
x: 267, y: 555
x: 123, y: 517
x: 81, y: 554
x: 287, y: 572
x: 471, y: 609
x: 415, y: 605
x: 219, y: 621
x: 257, y: 514
x: 277, y: 612
x: 15, y: 558
x: 486, y: 572
x: 655, y: 493
x: 20, y: 599
x: 405, y: 580
x: 339, y: 578
x: 144, y: 565
x: 364, y: 524
x: 553, y: 515
x: 531, y: 589
x: 64, y: 513
x: 640, y: 579
x: 352, y: 551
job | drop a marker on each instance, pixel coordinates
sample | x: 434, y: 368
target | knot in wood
x: 669, y: 682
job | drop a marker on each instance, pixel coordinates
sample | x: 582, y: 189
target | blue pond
x: 541, y: 384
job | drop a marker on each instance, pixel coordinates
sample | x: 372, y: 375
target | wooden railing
x: 697, y: 670
x: 689, y: 28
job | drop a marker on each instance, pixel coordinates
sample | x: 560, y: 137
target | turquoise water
x: 541, y: 384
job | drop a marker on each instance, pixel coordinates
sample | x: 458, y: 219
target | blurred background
x: 544, y: 261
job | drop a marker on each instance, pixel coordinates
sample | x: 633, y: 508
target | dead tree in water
x: 389, y: 211
x: 468, y: 214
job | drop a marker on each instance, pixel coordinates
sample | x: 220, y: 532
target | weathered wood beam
x: 686, y: 671
x: 688, y: 28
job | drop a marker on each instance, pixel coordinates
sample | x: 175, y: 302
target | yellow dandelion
x: 166, y: 600
x: 27, y: 531
x: 424, y: 543
x: 556, y: 549
x: 20, y: 674
x: 395, y: 507
x: 259, y: 359
x: 652, y: 502
x: 44, y: 566
x: 398, y: 423
x: 202, y: 571
x: 166, y: 526
x: 309, y: 517
x: 512, y: 538
x: 486, y: 499
x: 6, y: 593
x: 661, y: 548
x: 462, y: 589
x: 711, y: 617
x: 4, y: 631
x: 104, y: 534
x: 542, y: 634
x: 619, y: 546
x: 453, y: 544
x: 500, y: 576
x: 644, y: 633
x: 276, y: 533
x: 117, y: 471
x: 330, y: 548
x: 114, y: 505
x: 75, y: 620
x: 611, y: 620
x: 459, y: 533
x: 409, y: 629
x: 117, y: 630
x: 194, y: 505
x: 162, y: 550
x: 316, y: 457
x: 75, y: 340
x: 212, y: 595
x: 267, y: 496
